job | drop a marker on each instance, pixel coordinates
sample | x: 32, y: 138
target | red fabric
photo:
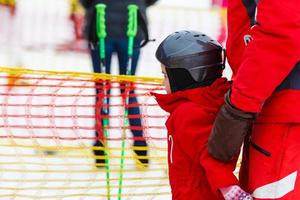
x: 225, y: 3
x: 258, y: 69
x: 281, y: 140
x: 78, y: 21
x: 193, y: 173
x: 220, y: 3
x: 282, y: 107
x: 262, y: 65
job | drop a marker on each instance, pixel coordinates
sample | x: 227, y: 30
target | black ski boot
x: 141, y: 151
x: 99, y: 162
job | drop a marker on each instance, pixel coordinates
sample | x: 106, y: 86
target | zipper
x: 170, y: 138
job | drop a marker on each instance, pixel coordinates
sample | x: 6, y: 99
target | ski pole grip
x: 101, y: 27
x: 132, y: 26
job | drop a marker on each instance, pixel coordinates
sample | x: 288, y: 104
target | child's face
x: 166, y: 82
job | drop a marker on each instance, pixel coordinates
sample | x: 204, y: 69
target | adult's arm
x: 270, y: 56
x: 267, y: 59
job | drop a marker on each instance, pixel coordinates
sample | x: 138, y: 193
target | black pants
x: 119, y: 46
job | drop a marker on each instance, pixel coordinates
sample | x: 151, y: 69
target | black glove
x: 229, y: 130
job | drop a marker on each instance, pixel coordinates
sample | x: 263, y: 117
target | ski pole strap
x: 101, y: 28
x: 143, y: 25
x: 132, y: 26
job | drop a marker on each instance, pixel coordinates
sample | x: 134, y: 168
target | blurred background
x: 46, y: 34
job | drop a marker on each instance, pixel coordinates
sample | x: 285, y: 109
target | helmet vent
x: 197, y: 35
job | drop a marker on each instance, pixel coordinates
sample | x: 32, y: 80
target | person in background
x: 78, y: 44
x: 11, y: 4
x: 221, y: 5
x: 77, y: 16
x: 116, y: 42
x: 192, y: 64
x: 262, y: 106
x: 7, y: 12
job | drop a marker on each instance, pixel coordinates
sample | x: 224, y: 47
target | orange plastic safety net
x: 80, y: 135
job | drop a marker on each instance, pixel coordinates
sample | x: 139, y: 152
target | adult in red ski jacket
x: 192, y: 64
x: 263, y: 50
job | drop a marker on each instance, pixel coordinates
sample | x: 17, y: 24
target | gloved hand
x: 229, y: 130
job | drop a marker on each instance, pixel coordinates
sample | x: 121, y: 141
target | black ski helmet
x: 191, y: 58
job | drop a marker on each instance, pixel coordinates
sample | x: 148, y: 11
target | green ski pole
x: 101, y: 33
x: 131, y: 33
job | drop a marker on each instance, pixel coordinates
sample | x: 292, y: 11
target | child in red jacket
x: 192, y: 64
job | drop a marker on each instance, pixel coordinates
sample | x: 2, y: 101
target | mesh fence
x: 48, y: 123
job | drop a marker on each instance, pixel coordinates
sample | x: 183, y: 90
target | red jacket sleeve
x: 238, y: 27
x: 270, y: 56
x: 192, y: 130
